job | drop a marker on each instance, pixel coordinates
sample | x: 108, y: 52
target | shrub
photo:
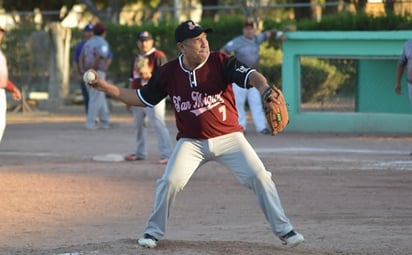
x: 319, y: 80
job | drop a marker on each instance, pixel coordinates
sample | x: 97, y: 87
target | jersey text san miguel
x: 203, y: 98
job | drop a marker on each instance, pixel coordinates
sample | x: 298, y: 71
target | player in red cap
x: 96, y: 54
x: 87, y: 34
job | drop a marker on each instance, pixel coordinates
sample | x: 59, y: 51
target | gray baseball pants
x: 156, y: 116
x: 98, y: 106
x: 234, y: 152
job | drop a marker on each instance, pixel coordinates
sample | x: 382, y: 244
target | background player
x: 96, y: 54
x: 246, y: 48
x: 151, y: 59
x: 87, y: 34
x: 405, y: 60
x: 5, y: 85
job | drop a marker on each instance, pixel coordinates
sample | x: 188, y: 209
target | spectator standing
x: 87, y: 34
x: 148, y: 60
x: 96, y: 54
x: 246, y: 48
x: 5, y: 85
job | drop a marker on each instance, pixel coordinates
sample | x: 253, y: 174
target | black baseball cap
x: 189, y: 29
x: 143, y: 36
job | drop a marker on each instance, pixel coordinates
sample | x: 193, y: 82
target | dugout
x: 376, y: 106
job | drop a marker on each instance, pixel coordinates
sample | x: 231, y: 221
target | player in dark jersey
x: 199, y: 83
x: 153, y: 59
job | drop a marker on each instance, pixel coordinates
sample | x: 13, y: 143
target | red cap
x: 249, y: 23
x: 99, y: 29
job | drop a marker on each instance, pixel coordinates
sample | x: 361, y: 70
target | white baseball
x: 88, y: 77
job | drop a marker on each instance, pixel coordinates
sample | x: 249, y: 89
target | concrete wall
x: 378, y: 108
x: 375, y: 91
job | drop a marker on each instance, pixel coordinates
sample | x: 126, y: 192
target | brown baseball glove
x: 276, y: 110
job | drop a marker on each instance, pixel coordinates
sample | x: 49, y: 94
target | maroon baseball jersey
x: 156, y: 58
x: 203, y: 99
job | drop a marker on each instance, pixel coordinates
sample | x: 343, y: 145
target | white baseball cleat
x: 147, y: 241
x: 292, y: 239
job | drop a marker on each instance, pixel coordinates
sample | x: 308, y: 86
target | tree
x: 359, y: 4
x: 389, y: 5
x: 109, y: 10
x: 331, y: 9
x: 106, y: 11
x: 43, y: 5
x: 24, y: 5
x: 206, y: 12
x: 302, y: 9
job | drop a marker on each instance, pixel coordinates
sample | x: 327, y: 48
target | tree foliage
x: 44, y: 5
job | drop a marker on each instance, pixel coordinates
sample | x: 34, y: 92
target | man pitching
x: 199, y: 83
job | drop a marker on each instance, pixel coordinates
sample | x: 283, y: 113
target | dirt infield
x: 347, y: 193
